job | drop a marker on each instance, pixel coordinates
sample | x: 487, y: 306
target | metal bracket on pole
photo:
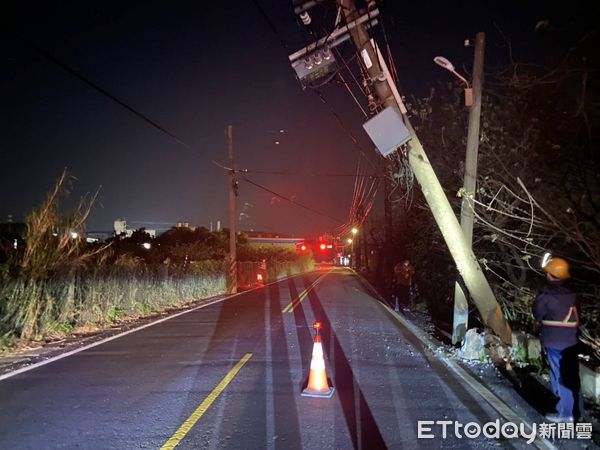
x: 335, y: 34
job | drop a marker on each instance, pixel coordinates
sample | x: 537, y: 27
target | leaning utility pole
x: 463, y: 256
x: 233, y: 186
x: 461, y: 306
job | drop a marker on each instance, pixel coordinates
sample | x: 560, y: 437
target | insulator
x: 372, y: 103
x: 306, y: 20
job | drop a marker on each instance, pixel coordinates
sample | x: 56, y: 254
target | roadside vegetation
x: 538, y: 185
x: 55, y: 283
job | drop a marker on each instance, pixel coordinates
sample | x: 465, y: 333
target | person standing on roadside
x: 403, y: 274
x: 556, y: 308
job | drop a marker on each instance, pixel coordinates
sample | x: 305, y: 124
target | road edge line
x: 483, y: 391
x: 24, y: 369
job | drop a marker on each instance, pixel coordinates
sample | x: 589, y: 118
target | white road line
x: 133, y: 330
x: 495, y: 402
x: 475, y: 385
x: 269, y: 385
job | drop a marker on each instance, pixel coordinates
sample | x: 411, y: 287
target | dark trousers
x: 564, y: 378
x: 402, y: 295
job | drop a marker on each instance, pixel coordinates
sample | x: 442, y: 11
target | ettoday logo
x: 430, y: 429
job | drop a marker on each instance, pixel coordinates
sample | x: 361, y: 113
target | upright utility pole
x: 461, y: 306
x: 233, y: 186
x: 446, y: 220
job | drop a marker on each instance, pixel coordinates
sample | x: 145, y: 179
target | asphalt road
x: 229, y: 375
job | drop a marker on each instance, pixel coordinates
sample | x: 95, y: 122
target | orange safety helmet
x: 558, y: 268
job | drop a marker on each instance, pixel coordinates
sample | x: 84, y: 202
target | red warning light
x: 318, y: 326
x: 303, y: 247
x: 323, y: 246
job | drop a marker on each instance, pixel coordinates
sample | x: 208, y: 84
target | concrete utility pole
x: 463, y: 256
x: 233, y: 186
x: 461, y: 306
x: 360, y: 36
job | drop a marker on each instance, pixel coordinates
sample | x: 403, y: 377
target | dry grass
x: 92, y: 300
x: 57, y: 284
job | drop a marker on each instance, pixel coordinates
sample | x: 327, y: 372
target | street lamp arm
x: 461, y: 77
x: 446, y: 64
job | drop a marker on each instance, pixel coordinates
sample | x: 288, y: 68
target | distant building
x: 185, y: 225
x: 272, y: 240
x: 121, y: 229
x: 97, y: 236
x: 269, y: 234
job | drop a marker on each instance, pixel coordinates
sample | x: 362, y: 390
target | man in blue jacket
x: 556, y: 308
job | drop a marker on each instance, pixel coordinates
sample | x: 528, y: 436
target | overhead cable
x: 103, y: 91
x: 305, y: 174
x: 283, y: 197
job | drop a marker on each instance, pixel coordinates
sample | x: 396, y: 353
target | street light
x: 473, y: 101
x: 446, y: 64
x: 354, y: 231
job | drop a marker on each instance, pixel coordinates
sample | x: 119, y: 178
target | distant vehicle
x: 322, y: 251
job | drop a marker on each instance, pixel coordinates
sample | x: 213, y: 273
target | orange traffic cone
x: 318, y: 385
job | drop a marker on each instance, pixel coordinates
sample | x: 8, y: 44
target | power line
x: 103, y: 91
x: 306, y: 174
x: 151, y: 223
x: 283, y: 197
x: 362, y: 195
x: 271, y: 25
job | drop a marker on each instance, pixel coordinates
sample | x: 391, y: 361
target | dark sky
x: 195, y: 67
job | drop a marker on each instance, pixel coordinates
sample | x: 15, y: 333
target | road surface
x: 229, y: 375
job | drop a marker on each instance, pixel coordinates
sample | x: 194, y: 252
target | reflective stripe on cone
x: 317, y: 386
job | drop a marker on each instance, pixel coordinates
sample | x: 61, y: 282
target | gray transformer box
x: 387, y: 131
x: 308, y: 75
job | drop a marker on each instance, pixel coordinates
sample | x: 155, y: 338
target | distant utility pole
x: 233, y: 187
x: 461, y: 306
x: 434, y: 194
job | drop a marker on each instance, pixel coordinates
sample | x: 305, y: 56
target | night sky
x: 195, y: 67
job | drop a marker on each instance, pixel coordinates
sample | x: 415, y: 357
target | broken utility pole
x: 466, y: 262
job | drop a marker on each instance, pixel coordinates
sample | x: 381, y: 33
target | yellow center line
x: 303, y: 294
x: 191, y: 421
